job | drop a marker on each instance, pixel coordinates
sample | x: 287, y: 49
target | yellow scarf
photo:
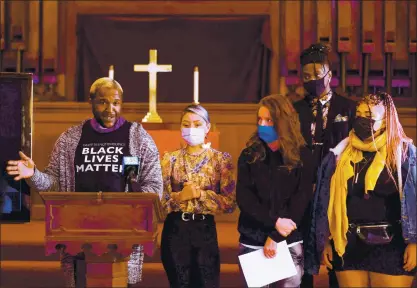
x: 337, y: 211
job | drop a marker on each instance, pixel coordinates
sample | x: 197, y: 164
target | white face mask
x: 193, y: 136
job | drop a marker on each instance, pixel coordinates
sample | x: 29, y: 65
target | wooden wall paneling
x: 344, y: 38
x: 326, y: 21
x: 16, y: 31
x: 62, y: 31
x: 33, y: 40
x: 376, y: 73
x: 6, y: 23
x: 30, y: 60
x: 26, y: 24
x: 390, y: 25
x: 62, y: 28
x: 292, y: 38
x: 309, y: 23
x: 354, y: 58
x: 412, y: 48
x: 218, y: 7
x: 401, y: 81
x: 274, y: 68
x: 412, y: 19
x: 368, y: 40
x: 390, y: 40
x: 2, y: 17
x: 18, y: 16
x: 71, y: 49
x: 61, y: 47
x: 401, y: 29
x: 50, y: 32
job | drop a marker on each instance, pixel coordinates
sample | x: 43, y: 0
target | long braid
x: 397, y: 140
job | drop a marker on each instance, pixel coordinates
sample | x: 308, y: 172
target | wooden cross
x: 152, y: 68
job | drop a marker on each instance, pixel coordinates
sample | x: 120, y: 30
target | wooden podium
x: 103, y: 227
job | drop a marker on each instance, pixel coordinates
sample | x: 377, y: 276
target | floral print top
x: 325, y: 101
x: 211, y: 171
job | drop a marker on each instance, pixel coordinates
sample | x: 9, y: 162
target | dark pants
x: 190, y: 251
x: 307, y: 281
x: 333, y: 279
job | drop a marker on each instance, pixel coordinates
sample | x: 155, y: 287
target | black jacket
x: 335, y: 131
x: 266, y: 191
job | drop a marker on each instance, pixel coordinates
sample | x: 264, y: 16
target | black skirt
x: 385, y: 259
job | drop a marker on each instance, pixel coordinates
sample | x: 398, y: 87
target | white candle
x: 196, y: 85
x: 111, y: 72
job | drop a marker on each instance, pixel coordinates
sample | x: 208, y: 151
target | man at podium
x: 93, y: 157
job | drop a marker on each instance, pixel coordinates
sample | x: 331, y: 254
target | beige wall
x: 235, y: 122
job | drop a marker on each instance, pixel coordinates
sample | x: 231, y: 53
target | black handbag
x: 373, y: 233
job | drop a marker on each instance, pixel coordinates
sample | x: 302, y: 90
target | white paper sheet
x: 260, y: 271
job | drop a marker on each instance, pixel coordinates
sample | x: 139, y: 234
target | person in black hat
x: 325, y: 117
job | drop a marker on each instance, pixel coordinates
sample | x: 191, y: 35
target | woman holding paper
x: 368, y: 187
x: 275, y: 173
x: 198, y: 183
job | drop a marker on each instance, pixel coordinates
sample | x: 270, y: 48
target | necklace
x: 359, y: 172
x: 195, y: 153
x: 193, y: 164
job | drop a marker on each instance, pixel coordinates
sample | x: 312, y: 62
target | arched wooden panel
x: 401, y: 81
x: 412, y: 27
x: 401, y: 30
x: 292, y: 39
x: 377, y: 57
x: 324, y: 21
x: 309, y: 20
x: 326, y: 33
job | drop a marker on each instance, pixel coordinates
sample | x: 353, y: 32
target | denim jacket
x: 408, y: 199
x: 319, y: 228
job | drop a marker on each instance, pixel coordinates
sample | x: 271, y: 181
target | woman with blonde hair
x: 275, y: 173
x: 367, y: 183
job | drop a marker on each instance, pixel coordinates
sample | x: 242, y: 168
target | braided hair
x: 317, y: 53
x: 396, y: 137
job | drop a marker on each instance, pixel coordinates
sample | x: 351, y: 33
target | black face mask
x: 363, y: 127
x: 315, y: 87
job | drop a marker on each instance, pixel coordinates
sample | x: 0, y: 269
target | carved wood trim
x: 73, y: 196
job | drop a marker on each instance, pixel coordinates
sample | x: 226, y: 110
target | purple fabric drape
x: 230, y: 54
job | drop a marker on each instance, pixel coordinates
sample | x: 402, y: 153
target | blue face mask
x: 267, y: 133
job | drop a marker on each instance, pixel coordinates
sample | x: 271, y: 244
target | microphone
x: 130, y: 169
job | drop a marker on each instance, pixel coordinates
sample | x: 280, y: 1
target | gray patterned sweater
x: 59, y: 175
